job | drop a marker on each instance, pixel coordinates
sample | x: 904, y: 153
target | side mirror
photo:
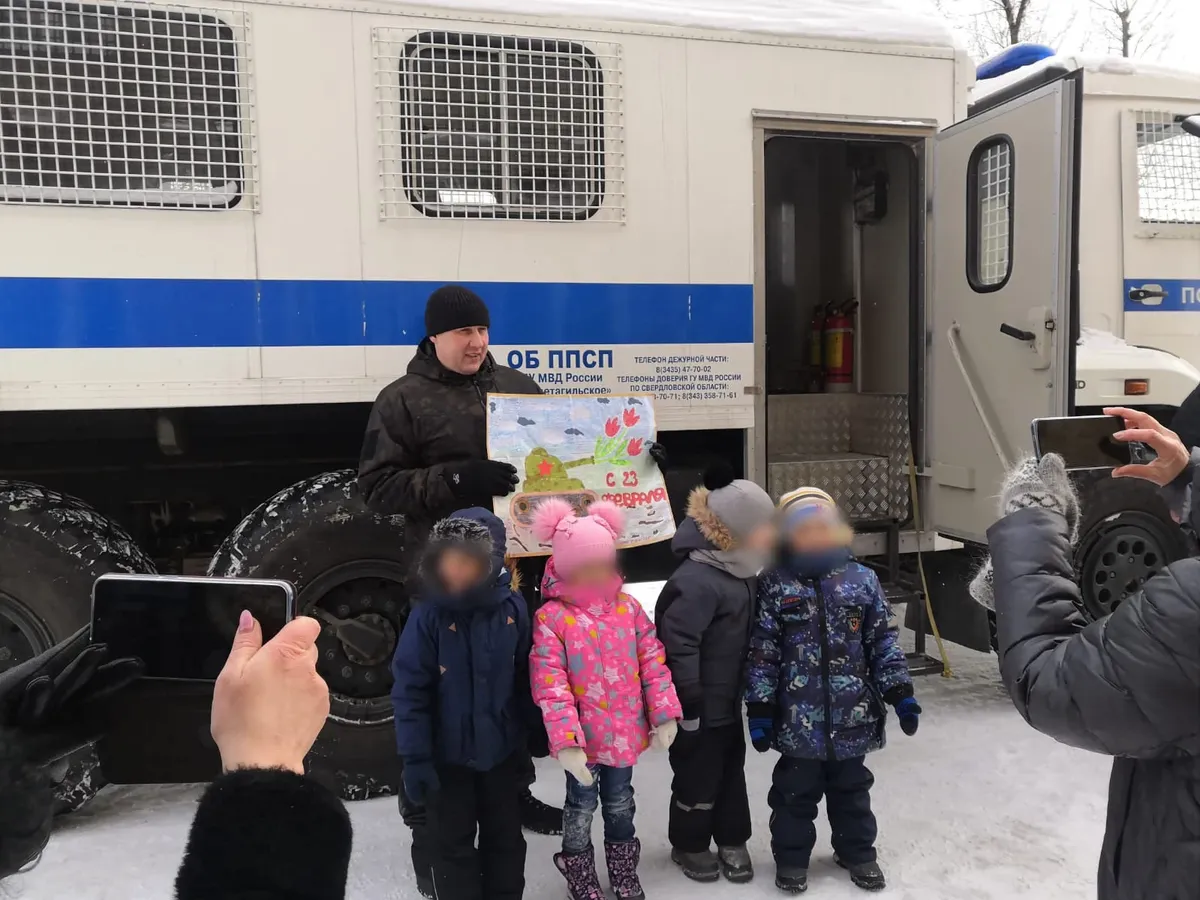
x: 1191, y: 125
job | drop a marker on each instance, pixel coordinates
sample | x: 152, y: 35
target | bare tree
x: 992, y: 25
x: 1134, y: 27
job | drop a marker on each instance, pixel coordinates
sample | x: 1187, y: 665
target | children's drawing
x: 580, y: 449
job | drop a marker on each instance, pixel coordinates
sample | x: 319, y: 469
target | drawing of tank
x: 548, y: 476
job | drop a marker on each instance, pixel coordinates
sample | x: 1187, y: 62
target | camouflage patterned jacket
x: 423, y: 421
x: 820, y: 653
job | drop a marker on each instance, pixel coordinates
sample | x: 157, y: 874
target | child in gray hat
x: 703, y: 616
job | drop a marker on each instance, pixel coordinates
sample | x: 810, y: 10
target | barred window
x: 1168, y: 170
x: 990, y: 215
x: 499, y: 127
x: 120, y: 106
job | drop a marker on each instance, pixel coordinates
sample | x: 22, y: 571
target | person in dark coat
x: 1127, y: 686
x: 463, y: 708
x: 262, y: 831
x: 703, y: 617
x: 425, y: 455
x: 823, y: 662
x: 49, y: 706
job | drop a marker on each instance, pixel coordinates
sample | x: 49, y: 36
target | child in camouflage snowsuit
x: 823, y: 663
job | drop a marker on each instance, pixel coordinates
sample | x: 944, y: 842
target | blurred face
x: 459, y: 571
x: 762, y: 539
x: 463, y: 350
x: 817, y: 534
x: 594, y: 575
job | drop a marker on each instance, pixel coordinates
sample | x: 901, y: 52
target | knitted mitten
x: 1043, y: 483
x: 1031, y: 483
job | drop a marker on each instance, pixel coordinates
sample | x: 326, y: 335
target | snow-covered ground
x: 976, y: 806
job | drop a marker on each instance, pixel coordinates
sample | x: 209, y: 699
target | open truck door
x: 1002, y: 285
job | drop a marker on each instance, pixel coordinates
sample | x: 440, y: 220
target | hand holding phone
x: 1088, y: 442
x: 1171, y: 456
x: 269, y: 703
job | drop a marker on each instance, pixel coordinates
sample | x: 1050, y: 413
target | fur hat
x: 467, y: 535
x: 578, y: 540
x: 727, y: 509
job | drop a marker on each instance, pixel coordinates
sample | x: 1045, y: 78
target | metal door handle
x: 1017, y: 333
x: 1139, y: 295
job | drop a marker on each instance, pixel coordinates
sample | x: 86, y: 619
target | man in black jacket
x: 425, y: 455
x: 1128, y: 685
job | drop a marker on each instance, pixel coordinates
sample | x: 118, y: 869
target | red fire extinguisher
x: 839, y: 348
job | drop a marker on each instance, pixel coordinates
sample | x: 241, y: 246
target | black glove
x: 420, y: 780
x: 481, y: 478
x: 658, y: 453
x: 761, y: 723
x: 51, y: 699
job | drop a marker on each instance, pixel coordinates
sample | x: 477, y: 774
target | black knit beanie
x: 452, y: 307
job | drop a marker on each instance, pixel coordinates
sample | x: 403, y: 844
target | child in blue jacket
x: 823, y: 663
x: 464, y: 709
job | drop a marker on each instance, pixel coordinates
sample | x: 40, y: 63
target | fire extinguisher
x: 839, y: 348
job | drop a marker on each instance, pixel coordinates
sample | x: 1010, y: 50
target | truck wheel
x: 1126, y: 535
x: 351, y: 570
x: 52, y: 549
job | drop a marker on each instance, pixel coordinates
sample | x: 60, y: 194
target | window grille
x: 130, y: 105
x: 1168, y: 170
x: 499, y: 127
x: 990, y: 215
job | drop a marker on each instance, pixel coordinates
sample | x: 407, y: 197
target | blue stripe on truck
x: 68, y: 313
x: 1178, y: 295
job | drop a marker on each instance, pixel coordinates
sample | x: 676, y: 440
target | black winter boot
x: 735, y: 864
x: 697, y: 866
x: 539, y: 817
x: 867, y: 876
x: 622, y: 859
x: 580, y: 871
x: 791, y: 879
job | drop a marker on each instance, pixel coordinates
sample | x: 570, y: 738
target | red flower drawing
x: 631, y: 417
x: 611, y: 427
x: 635, y: 446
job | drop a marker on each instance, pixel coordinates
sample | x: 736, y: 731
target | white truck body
x: 1139, y: 227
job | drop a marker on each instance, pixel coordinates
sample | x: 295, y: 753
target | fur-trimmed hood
x: 701, y: 530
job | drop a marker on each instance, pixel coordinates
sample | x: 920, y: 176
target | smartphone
x: 1087, y: 442
x: 182, y: 628
x: 158, y: 729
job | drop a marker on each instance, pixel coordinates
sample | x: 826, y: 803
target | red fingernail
x: 246, y: 621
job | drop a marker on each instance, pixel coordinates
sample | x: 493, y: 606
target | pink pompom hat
x: 578, y: 540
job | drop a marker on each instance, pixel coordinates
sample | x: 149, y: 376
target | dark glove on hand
x: 658, y: 453
x: 538, y: 743
x: 762, y: 725
x: 420, y: 780
x: 51, y: 697
x: 909, y: 712
x: 481, y: 478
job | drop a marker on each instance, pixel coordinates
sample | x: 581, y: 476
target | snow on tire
x: 351, y: 570
x: 52, y: 548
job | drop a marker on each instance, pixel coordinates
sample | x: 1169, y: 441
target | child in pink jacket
x: 600, y: 678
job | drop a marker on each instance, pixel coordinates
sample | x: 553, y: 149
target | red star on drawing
x: 544, y: 468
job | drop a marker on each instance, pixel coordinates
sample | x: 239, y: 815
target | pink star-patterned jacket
x: 599, y: 675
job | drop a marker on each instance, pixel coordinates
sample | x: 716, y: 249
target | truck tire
x: 347, y: 563
x: 1126, y: 534
x: 52, y: 549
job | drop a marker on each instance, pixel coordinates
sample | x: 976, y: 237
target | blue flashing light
x: 1009, y: 60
